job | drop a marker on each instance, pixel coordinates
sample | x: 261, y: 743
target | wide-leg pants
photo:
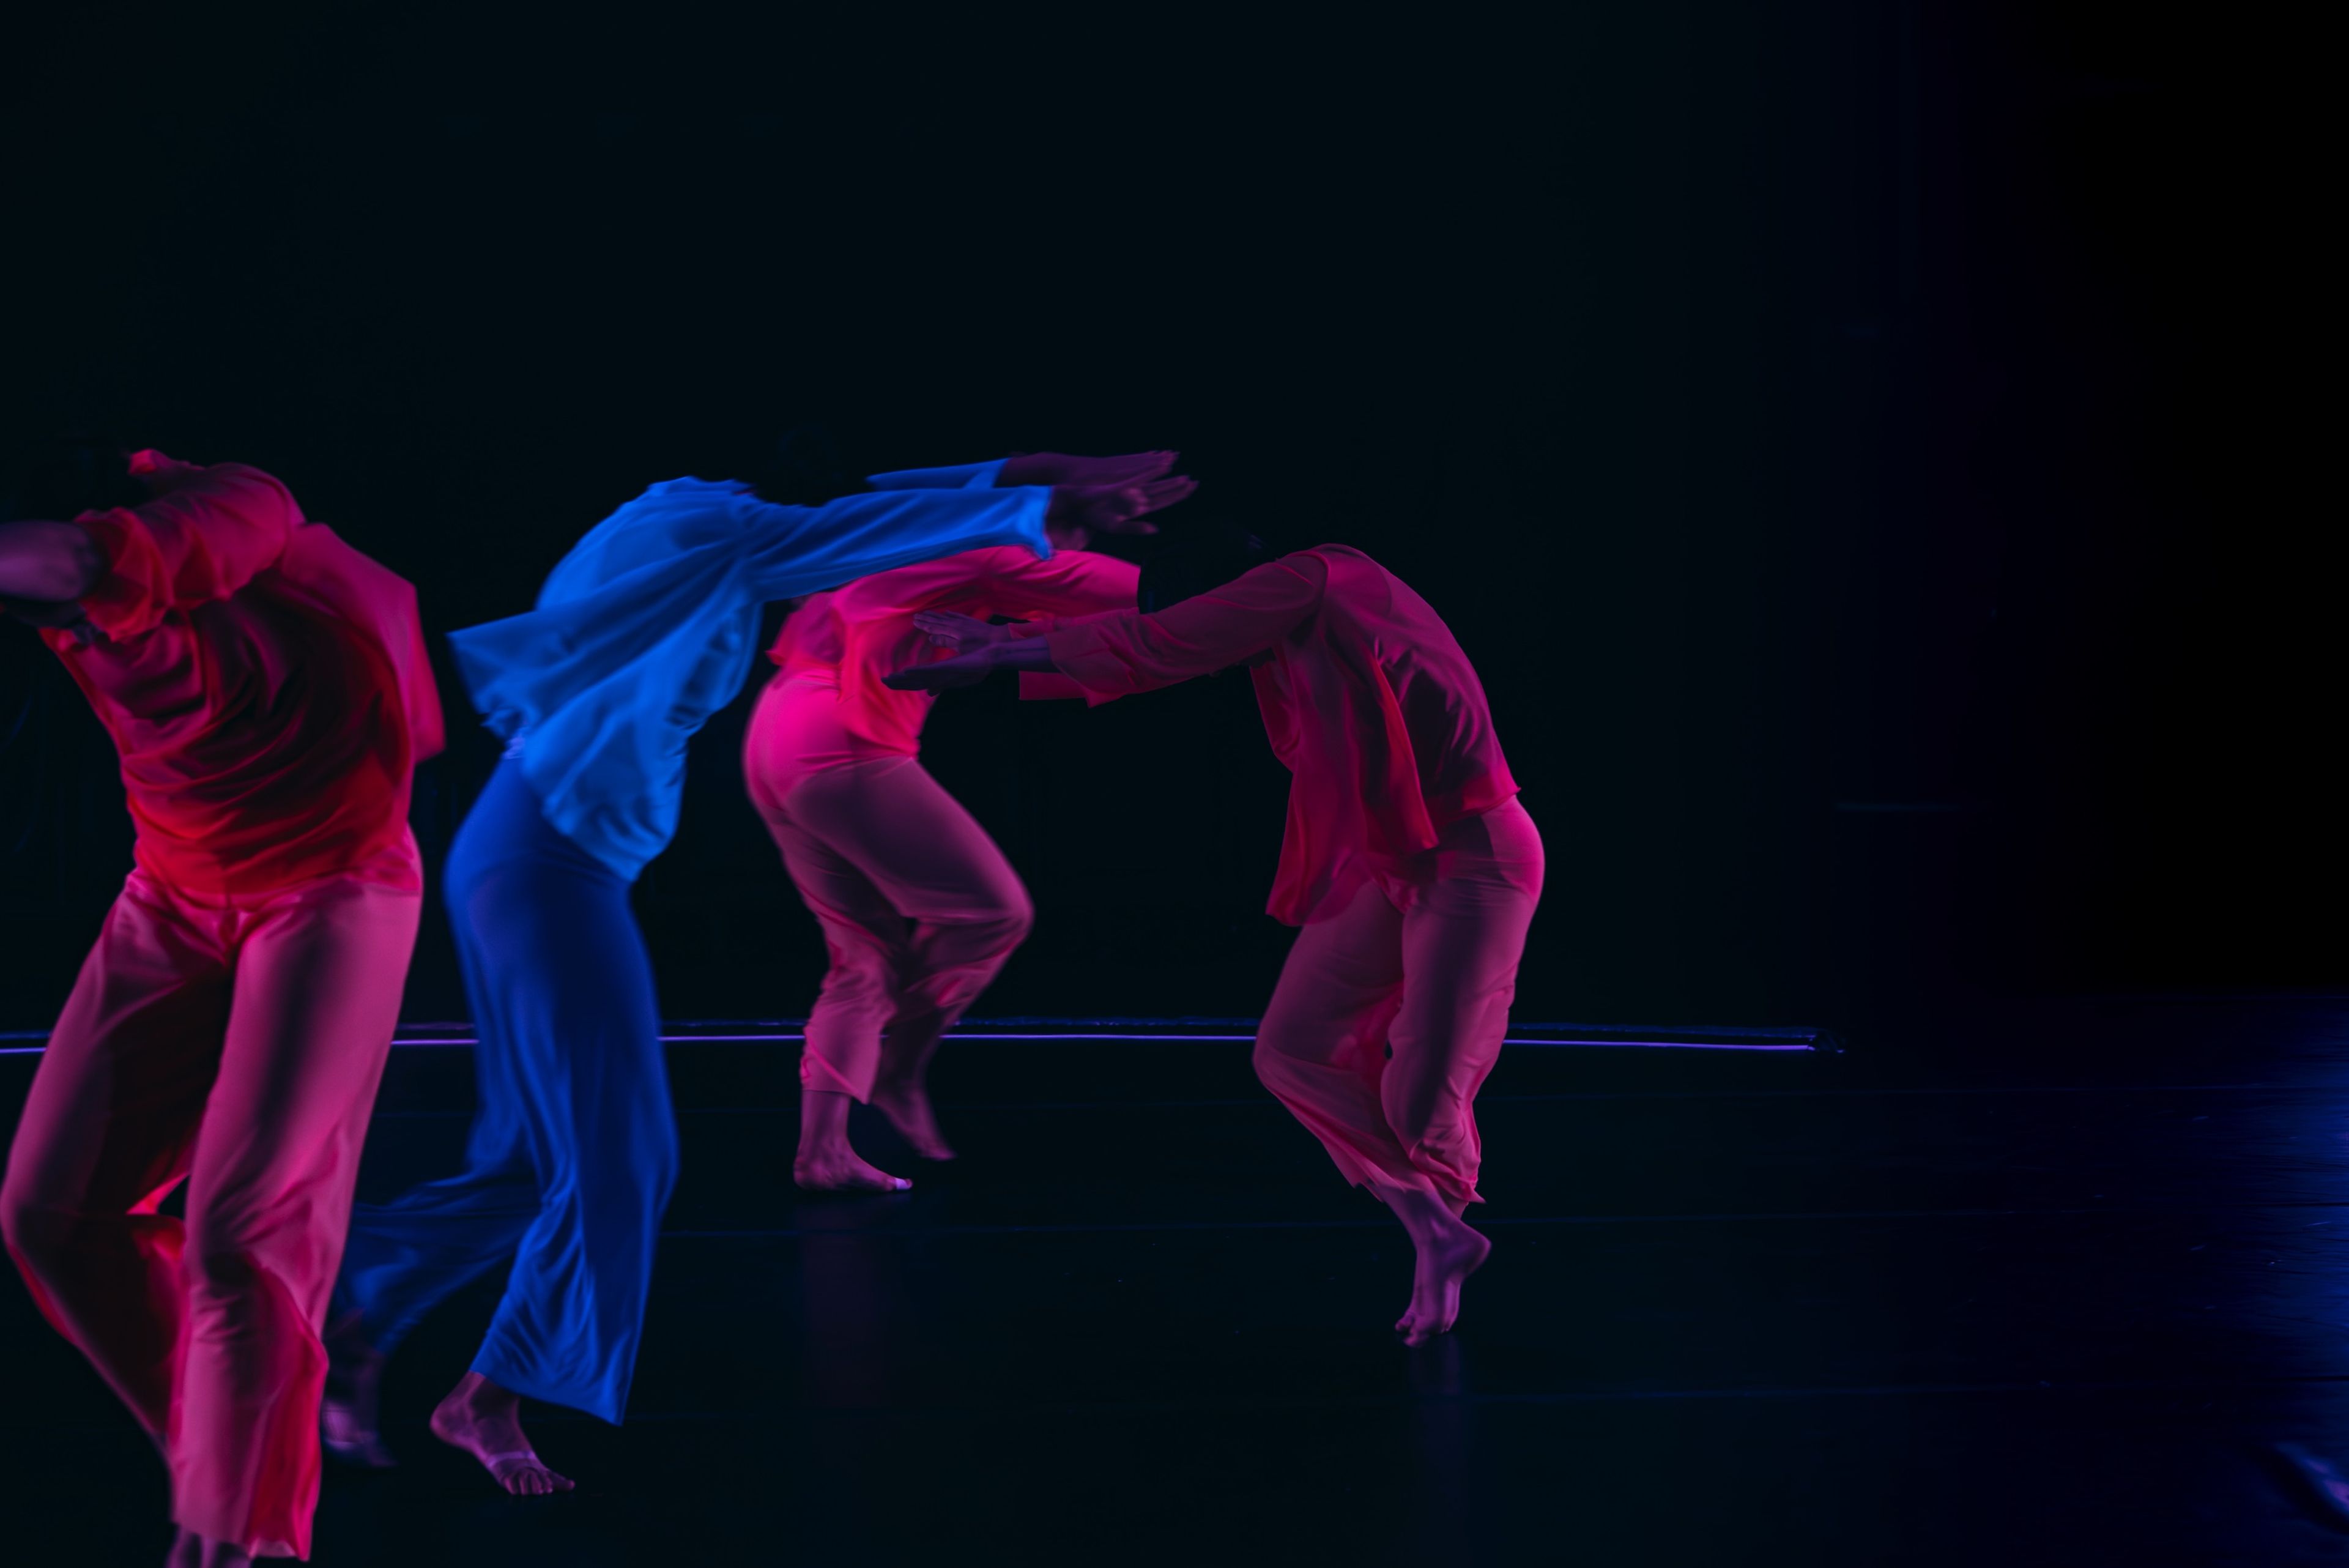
x: 1389, y: 1015
x: 919, y: 908
x: 234, y: 1044
x: 574, y: 1147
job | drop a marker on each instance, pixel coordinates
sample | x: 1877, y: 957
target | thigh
x: 319, y: 980
x: 917, y: 844
x: 1339, y: 985
x: 557, y: 949
x: 1461, y: 941
x: 852, y: 908
x: 114, y: 1106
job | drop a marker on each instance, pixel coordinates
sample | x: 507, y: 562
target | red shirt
x: 265, y: 683
x: 1367, y: 698
x: 865, y: 631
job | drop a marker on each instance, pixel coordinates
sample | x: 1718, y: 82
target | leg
x: 1322, y: 1048
x: 864, y: 939
x: 936, y: 868
x: 319, y: 980
x: 558, y: 949
x: 1461, y: 938
x: 106, y: 1135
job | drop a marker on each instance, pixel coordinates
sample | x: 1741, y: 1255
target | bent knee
x: 1015, y: 918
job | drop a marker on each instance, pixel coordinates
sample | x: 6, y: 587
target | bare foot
x: 1447, y: 1250
x: 347, y: 1416
x: 840, y: 1170
x: 826, y: 1163
x: 908, y: 1110
x: 485, y: 1421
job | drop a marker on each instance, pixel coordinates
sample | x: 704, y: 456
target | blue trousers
x: 574, y: 1150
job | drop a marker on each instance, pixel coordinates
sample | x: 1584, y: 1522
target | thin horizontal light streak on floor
x: 775, y: 1037
x: 1223, y: 1039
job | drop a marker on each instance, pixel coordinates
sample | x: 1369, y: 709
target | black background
x: 1798, y: 412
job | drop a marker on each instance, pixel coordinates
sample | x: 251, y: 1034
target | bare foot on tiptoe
x: 908, y: 1110
x: 346, y: 1417
x: 485, y: 1421
x: 1447, y: 1251
x: 833, y: 1169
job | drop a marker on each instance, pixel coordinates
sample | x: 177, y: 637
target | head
x: 68, y: 474
x: 1194, y: 557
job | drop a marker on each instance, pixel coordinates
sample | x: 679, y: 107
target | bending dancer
x: 268, y: 687
x: 642, y: 630
x: 1407, y: 860
x: 919, y: 908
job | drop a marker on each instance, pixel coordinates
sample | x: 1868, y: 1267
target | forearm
x: 53, y: 562
x: 1020, y: 653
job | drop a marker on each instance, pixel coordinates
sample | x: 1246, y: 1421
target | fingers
x: 1163, y: 492
x: 1122, y: 510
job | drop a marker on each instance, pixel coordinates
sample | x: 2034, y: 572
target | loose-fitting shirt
x: 1367, y: 698
x: 265, y: 683
x: 859, y: 634
x: 651, y: 623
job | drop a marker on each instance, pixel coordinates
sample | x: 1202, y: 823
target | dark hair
x: 1194, y: 557
x: 68, y: 474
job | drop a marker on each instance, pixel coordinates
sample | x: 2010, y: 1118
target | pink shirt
x: 1367, y: 698
x: 855, y: 635
x: 265, y: 683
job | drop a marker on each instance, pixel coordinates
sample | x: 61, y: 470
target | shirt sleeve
x: 803, y: 549
x: 968, y: 476
x: 1114, y: 655
x: 208, y: 533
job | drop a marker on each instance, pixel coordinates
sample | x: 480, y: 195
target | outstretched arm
x: 1090, y: 494
x: 50, y: 562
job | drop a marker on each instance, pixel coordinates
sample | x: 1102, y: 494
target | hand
x: 945, y: 628
x: 962, y: 670
x: 1060, y: 468
x: 1079, y: 510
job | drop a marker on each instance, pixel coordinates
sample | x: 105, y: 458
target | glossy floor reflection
x: 2045, y: 1302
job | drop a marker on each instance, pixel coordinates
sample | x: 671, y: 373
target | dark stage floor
x: 1743, y: 1309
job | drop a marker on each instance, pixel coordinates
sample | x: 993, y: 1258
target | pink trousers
x: 918, y: 906
x: 236, y: 1045
x: 1389, y: 1015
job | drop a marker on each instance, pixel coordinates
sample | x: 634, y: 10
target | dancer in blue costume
x: 646, y: 629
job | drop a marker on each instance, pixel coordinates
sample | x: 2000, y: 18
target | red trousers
x: 919, y: 908
x: 236, y: 1044
x: 1389, y: 1015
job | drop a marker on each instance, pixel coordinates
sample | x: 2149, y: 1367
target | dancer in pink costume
x: 919, y: 908
x: 268, y: 687
x: 1408, y: 861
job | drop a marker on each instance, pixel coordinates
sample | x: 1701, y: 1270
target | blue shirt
x: 650, y: 625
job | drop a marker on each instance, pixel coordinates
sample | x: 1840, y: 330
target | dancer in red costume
x: 266, y: 685
x: 919, y: 908
x: 1408, y: 861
